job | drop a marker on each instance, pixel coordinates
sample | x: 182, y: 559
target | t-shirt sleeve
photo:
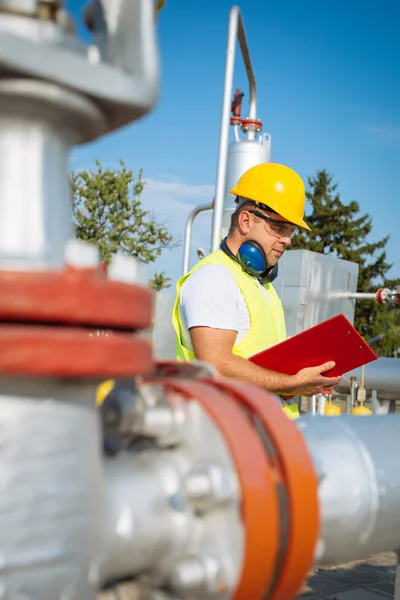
x: 209, y: 298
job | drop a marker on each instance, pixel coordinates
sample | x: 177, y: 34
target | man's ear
x: 244, y: 222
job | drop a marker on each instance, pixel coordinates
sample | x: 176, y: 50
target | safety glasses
x: 277, y: 228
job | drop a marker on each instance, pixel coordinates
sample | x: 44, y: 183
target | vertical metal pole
x: 397, y: 580
x: 354, y: 385
x: 321, y: 404
x: 235, y: 31
x: 312, y: 405
x: 188, y: 234
x: 374, y: 401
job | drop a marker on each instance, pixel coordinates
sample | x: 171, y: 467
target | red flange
x: 260, y: 503
x: 297, y: 473
x: 76, y: 298
x: 68, y: 352
x: 379, y: 296
x: 255, y: 124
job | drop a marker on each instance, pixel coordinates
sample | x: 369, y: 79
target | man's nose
x: 287, y: 240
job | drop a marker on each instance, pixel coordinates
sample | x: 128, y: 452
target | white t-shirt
x: 210, y: 297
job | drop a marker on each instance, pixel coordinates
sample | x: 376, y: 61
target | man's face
x: 273, y: 232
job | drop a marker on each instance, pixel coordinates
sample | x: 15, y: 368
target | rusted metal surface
x: 74, y: 297
x: 67, y: 352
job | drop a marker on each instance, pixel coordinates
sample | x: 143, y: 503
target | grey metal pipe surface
x: 50, y: 494
x: 235, y: 31
x: 188, y: 234
x: 382, y: 375
x: 361, y: 296
x: 356, y: 459
x: 35, y: 195
x: 143, y: 525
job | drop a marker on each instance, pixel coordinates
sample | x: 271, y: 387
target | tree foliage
x: 342, y: 230
x: 108, y: 212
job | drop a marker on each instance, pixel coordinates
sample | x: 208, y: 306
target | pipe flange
x: 74, y: 297
x: 300, y: 481
x: 381, y: 295
x: 71, y: 353
x: 251, y: 125
x: 257, y: 482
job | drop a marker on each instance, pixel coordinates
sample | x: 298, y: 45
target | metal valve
x: 118, y: 71
x: 386, y: 296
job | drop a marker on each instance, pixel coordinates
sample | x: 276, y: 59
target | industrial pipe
x: 359, y: 485
x: 176, y: 487
x: 381, y: 296
x: 361, y: 296
x: 336, y: 502
x: 235, y: 31
x: 382, y: 375
x: 188, y: 234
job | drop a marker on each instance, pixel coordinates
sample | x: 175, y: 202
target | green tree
x: 341, y: 230
x: 108, y: 212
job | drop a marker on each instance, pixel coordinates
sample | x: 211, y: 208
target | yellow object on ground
x: 331, y: 410
x: 103, y: 390
x: 361, y: 410
x: 276, y: 186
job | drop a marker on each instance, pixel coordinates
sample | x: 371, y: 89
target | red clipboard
x: 334, y: 339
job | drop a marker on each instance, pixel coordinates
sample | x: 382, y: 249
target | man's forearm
x: 244, y: 370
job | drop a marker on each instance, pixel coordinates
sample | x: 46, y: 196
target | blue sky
x: 328, y: 93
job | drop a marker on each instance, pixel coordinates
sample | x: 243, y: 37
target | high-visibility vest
x: 267, y: 319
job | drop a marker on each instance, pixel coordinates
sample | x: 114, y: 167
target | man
x: 226, y: 308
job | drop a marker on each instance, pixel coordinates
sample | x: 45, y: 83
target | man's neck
x: 233, y: 243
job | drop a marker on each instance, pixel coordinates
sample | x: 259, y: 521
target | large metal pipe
x: 382, y: 375
x: 188, y: 234
x: 35, y: 203
x: 235, y: 31
x: 356, y: 459
x: 51, y: 490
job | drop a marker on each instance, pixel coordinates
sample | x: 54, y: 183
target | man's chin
x: 273, y: 257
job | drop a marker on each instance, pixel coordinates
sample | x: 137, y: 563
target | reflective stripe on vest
x: 267, y: 320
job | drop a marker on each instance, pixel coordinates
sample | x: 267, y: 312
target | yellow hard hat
x: 277, y: 187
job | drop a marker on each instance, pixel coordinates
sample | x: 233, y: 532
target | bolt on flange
x: 145, y: 411
x: 208, y: 487
x: 199, y: 576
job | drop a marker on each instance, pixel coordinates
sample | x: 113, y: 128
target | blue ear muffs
x: 251, y: 257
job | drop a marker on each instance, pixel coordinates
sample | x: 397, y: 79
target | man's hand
x: 310, y: 381
x: 215, y: 346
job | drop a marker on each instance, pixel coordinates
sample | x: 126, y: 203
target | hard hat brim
x: 299, y: 221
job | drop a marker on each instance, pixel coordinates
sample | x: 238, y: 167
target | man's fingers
x: 329, y: 381
x: 328, y: 390
x: 327, y: 366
